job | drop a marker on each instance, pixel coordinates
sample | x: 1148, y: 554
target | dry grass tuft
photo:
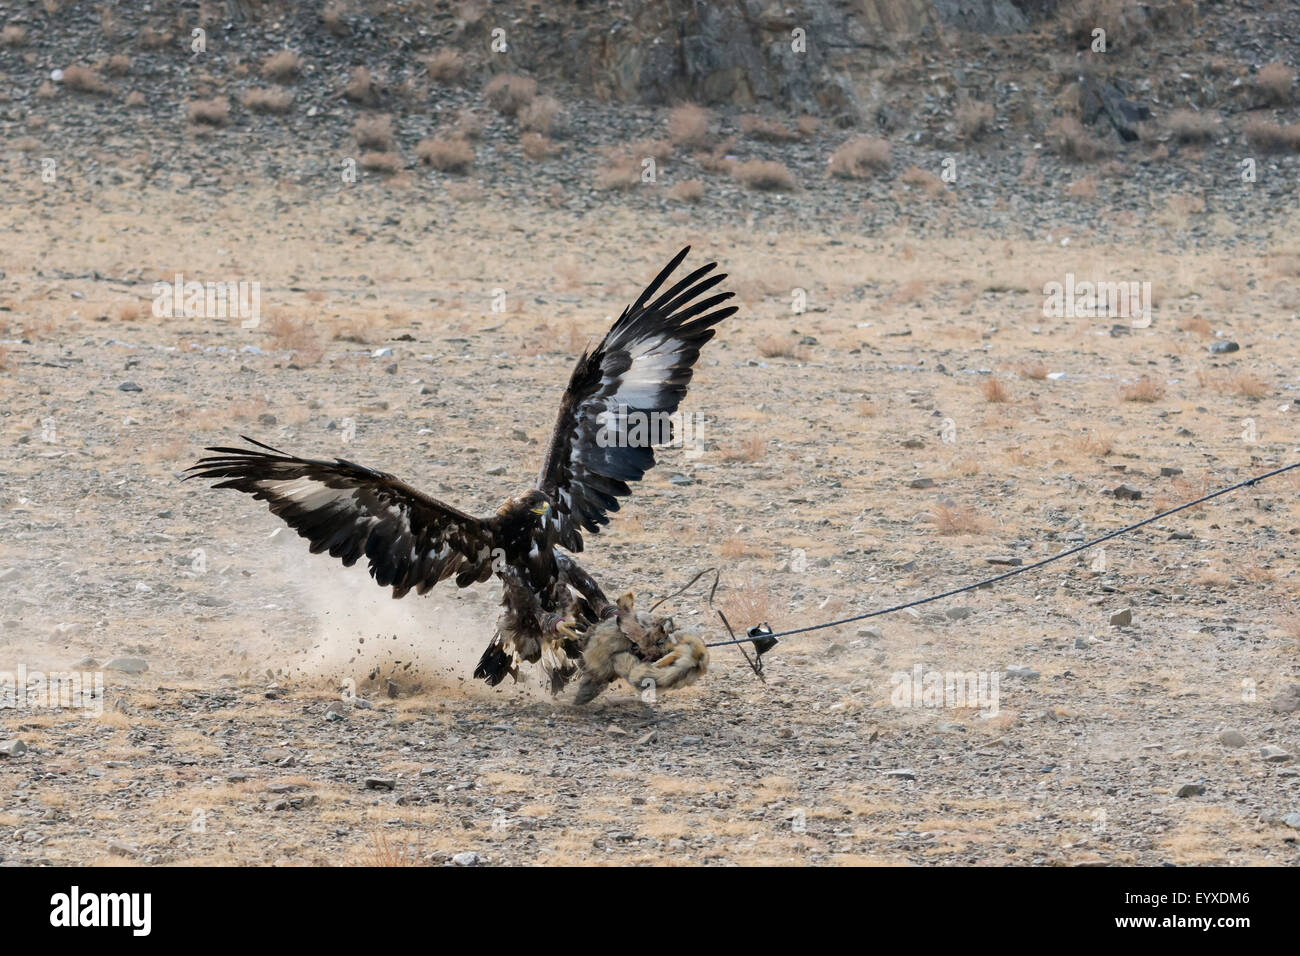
x: 536, y: 146
x: 508, y: 93
x: 1068, y: 139
x: 119, y: 64
x: 13, y: 35
x: 995, y: 391
x: 296, y: 336
x: 618, y: 174
x: 446, y: 66
x: 688, y: 190
x: 974, y: 119
x: 381, y: 162
x: 382, y: 853
x: 1036, y: 371
x: 539, y: 116
x: 452, y: 155
x: 956, y: 519
x: 84, y: 80
x: 859, y: 158
x: 922, y: 178
x: 1274, y: 83
x: 333, y: 15
x: 751, y: 449
x: 747, y: 604
x: 281, y: 67
x: 760, y: 127
x: 214, y: 112
x: 763, y: 174
x: 266, y: 100
x: 781, y: 346
x: 1197, y: 324
x: 374, y: 132
x: 1145, y: 389
x: 688, y: 126
x: 1273, y: 137
x: 360, y: 87
x: 1190, y: 126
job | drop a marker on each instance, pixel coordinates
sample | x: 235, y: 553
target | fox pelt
x: 647, y: 652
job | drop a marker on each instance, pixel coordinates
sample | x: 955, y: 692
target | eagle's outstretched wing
x: 639, y: 371
x: 412, y: 541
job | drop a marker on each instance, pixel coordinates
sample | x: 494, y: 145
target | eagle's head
x: 534, y: 505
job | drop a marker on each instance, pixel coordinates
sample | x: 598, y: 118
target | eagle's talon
x: 568, y: 629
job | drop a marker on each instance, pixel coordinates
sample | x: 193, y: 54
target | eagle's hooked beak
x: 541, y: 509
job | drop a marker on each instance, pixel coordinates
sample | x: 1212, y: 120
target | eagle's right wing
x: 411, y: 541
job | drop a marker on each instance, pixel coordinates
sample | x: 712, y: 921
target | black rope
x: 1008, y: 574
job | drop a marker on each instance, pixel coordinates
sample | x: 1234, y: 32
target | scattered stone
x: 959, y: 613
x: 118, y: 848
x: 870, y: 633
x: 1287, y: 702
x: 1125, y: 493
x: 12, y: 748
x: 1009, y: 562
x: 380, y: 783
x: 1022, y: 672
x: 1223, y: 347
x: 1169, y: 472
x: 129, y: 387
x: 127, y: 665
x: 1273, y: 754
x: 337, y: 710
x: 901, y: 774
x: 466, y: 859
x: 681, y: 480
x: 1292, y: 820
x: 1232, y: 738
x: 1122, y: 618
x: 1190, y: 790
x: 921, y: 483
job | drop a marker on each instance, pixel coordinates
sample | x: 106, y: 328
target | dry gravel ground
x: 918, y: 358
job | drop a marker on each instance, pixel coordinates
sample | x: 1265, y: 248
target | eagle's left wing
x: 640, y: 370
x: 411, y: 541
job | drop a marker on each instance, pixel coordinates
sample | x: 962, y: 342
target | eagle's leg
x: 572, y: 573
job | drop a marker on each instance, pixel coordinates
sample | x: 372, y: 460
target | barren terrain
x: 890, y: 414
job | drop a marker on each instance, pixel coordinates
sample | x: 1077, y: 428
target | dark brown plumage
x: 411, y: 541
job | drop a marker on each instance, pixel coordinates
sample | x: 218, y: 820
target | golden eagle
x: 639, y: 372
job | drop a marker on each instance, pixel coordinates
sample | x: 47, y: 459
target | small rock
x: 380, y: 783
x: 901, y: 774
x: 1287, y: 702
x: 958, y: 613
x: 1126, y: 493
x: 1021, y: 671
x: 1122, y: 618
x: 921, y: 483
x: 466, y: 859
x: 1190, y: 790
x: 1005, y: 561
x: 12, y: 748
x: 129, y: 387
x: 1292, y: 820
x: 1232, y: 738
x: 1272, y: 754
x: 127, y: 665
x: 117, y: 848
x: 1223, y: 347
x: 1168, y: 472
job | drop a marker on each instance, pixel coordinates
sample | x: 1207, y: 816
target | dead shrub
x: 119, y: 64
x: 1273, y: 137
x: 266, y: 100
x: 360, y: 87
x: 923, y: 179
x: 374, y: 132
x: 333, y: 16
x: 974, y: 119
x: 688, y: 126
x: 539, y: 115
x: 296, y: 336
x: 955, y: 519
x: 508, y: 93
x: 1146, y: 389
x: 536, y: 146
x: 381, y: 162
x: 13, y: 35
x: 446, y: 66
x: 688, y: 190
x: 281, y: 67
x: 763, y: 174
x: 213, y: 112
x: 1069, y: 140
x: 995, y: 391
x: 1274, y: 83
x: 84, y: 80
x: 762, y: 128
x: 452, y: 155
x: 858, y: 158
x: 1189, y: 126
x: 618, y: 174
